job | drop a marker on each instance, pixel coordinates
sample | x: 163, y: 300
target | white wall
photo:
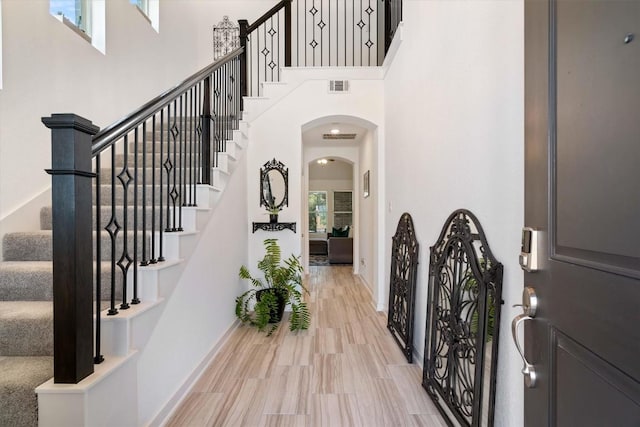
x: 367, y: 214
x: 201, y: 308
x: 458, y: 143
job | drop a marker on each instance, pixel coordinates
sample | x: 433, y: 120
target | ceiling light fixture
x: 335, y: 131
x: 322, y: 161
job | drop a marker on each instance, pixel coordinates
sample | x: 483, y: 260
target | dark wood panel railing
x: 142, y: 170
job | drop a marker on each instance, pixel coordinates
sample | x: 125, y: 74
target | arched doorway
x: 352, y: 141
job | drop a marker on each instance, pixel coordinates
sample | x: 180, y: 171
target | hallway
x: 346, y: 370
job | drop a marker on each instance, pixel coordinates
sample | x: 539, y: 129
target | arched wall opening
x: 351, y: 140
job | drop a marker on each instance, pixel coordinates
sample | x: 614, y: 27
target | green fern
x: 285, y: 280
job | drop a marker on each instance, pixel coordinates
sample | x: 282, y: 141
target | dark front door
x: 582, y: 191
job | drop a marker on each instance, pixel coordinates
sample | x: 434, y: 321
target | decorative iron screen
x: 402, y: 284
x: 463, y: 318
x: 226, y: 38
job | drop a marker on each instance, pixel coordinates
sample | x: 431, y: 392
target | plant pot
x: 275, y: 315
x: 273, y: 218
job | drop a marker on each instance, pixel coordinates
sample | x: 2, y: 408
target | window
x: 73, y: 12
x: 86, y: 18
x: 143, y: 5
x: 342, y: 209
x: 317, y: 211
x: 150, y: 10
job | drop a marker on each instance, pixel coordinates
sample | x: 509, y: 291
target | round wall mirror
x: 274, y: 188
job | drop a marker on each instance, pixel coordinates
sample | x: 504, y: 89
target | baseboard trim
x: 169, y: 408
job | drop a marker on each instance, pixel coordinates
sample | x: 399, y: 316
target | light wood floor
x: 346, y: 370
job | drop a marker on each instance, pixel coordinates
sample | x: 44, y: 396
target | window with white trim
x: 85, y: 17
x: 75, y: 13
x: 317, y: 211
x: 342, y: 209
x: 151, y: 11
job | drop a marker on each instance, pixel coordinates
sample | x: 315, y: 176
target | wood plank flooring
x: 346, y: 370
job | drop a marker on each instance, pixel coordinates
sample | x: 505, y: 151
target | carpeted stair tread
x: 105, y: 216
x: 19, y: 376
x: 26, y: 328
x: 26, y: 281
x: 37, y: 246
x: 33, y: 280
x: 27, y: 246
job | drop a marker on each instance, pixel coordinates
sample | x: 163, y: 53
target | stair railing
x: 316, y: 33
x: 157, y: 156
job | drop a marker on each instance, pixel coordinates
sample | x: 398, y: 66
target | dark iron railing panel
x: 402, y: 284
x: 147, y: 168
x: 314, y: 33
x: 463, y: 318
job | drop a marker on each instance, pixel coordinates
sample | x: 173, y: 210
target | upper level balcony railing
x: 316, y: 33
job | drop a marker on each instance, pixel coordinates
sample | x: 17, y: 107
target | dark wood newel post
x: 206, y: 133
x: 287, y: 33
x: 71, y: 173
x: 244, y: 34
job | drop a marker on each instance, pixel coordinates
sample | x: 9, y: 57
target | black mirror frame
x: 264, y: 171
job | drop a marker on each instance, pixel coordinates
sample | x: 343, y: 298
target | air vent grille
x: 338, y: 86
x: 339, y: 136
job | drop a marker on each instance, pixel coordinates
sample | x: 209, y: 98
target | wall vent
x: 338, y: 86
x: 338, y: 136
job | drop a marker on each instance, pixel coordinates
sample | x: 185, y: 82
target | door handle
x: 529, y: 307
x: 528, y: 370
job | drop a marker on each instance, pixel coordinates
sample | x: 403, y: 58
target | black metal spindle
x: 361, y: 27
x: 134, y: 299
x: 206, y: 133
x: 98, y: 358
x: 113, y: 228
x: 173, y: 169
x: 125, y: 260
x: 181, y: 169
x: 144, y: 261
x: 153, y: 258
x: 160, y: 205
x: 190, y: 146
x: 321, y: 26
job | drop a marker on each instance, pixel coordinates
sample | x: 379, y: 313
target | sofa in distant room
x: 340, y: 247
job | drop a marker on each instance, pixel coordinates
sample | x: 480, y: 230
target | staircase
x: 26, y: 309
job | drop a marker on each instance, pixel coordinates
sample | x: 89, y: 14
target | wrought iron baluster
x: 113, y: 228
x: 190, y: 147
x: 161, y: 192
x: 135, y: 299
x: 153, y: 258
x: 125, y: 179
x: 144, y: 260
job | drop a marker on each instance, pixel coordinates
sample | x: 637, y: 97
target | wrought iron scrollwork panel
x: 460, y: 357
x: 404, y: 267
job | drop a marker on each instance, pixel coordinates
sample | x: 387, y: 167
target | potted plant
x: 282, y: 285
x: 273, y: 213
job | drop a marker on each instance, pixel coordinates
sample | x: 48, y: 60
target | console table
x: 274, y: 226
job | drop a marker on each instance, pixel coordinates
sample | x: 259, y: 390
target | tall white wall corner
x: 106, y: 398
